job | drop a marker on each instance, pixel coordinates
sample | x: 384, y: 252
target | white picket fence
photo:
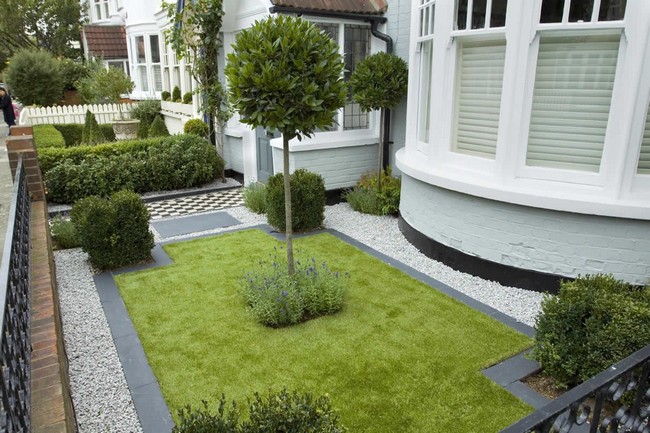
x: 104, y: 113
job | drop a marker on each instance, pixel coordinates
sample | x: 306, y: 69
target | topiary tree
x: 379, y: 82
x: 91, y: 134
x: 285, y: 74
x: 196, y: 127
x: 35, y: 78
x: 158, y: 128
x: 176, y: 94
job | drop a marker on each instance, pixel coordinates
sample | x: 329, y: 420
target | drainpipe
x: 374, y: 21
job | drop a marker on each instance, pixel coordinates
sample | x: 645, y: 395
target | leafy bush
x: 158, y: 128
x: 204, y: 421
x: 181, y: 161
x: 91, y: 133
x: 47, y: 136
x: 594, y: 322
x: 176, y: 94
x: 255, y: 197
x: 307, y: 197
x: 187, y: 98
x: 275, y: 299
x: 143, y: 129
x: 196, y: 127
x: 34, y: 77
x: 291, y: 413
x: 106, y: 85
x: 145, y: 111
x: 64, y: 233
x: 73, y: 133
x: 165, y: 95
x: 114, y: 232
x: 366, y: 199
x: 72, y: 72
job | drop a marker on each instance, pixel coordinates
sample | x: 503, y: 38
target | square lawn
x: 399, y: 356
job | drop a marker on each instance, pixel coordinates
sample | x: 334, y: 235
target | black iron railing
x: 15, y: 313
x: 595, y: 406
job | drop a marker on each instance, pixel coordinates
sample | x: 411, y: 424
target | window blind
x: 480, y: 81
x: 571, y: 102
x: 644, y: 158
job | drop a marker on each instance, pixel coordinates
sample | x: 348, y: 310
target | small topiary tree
x: 176, y: 94
x: 158, y: 128
x: 196, y: 127
x: 285, y: 74
x: 91, y: 133
x: 165, y: 95
x: 35, y: 78
x: 379, y: 82
x: 594, y: 322
x: 143, y: 129
x: 187, y: 98
x: 308, y: 199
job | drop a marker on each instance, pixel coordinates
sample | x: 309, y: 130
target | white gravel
x: 99, y: 391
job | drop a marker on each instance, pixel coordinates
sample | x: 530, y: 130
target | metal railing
x: 15, y: 312
x: 596, y: 404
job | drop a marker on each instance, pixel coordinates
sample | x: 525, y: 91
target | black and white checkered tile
x: 196, y: 204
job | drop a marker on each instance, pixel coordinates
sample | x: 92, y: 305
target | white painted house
x: 528, y: 140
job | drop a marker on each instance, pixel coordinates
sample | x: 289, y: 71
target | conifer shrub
x: 91, y: 133
x: 593, y: 322
x: 176, y: 94
x: 187, y: 98
x: 158, y: 128
x: 72, y: 133
x: 143, y: 129
x: 307, y: 197
x: 196, y: 127
x: 115, y: 231
x: 165, y: 95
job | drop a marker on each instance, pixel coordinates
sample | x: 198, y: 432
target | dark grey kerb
x: 194, y: 224
x: 148, y: 400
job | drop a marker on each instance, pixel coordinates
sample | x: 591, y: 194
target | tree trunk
x: 287, y: 204
x: 380, y: 166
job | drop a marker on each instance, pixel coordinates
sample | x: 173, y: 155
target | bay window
x: 156, y: 69
x: 141, y: 63
x: 425, y: 59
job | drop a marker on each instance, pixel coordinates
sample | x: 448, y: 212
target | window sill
x: 331, y: 140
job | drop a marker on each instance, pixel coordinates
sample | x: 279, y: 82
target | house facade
x: 527, y: 151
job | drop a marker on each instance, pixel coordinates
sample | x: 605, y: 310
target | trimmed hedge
x: 47, y: 137
x: 181, y: 161
x: 72, y: 133
x: 307, y: 201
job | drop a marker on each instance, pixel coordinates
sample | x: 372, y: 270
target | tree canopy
x: 379, y: 81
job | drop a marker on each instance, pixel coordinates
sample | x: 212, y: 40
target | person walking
x: 7, y: 108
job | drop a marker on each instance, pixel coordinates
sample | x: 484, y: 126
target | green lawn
x: 399, y: 357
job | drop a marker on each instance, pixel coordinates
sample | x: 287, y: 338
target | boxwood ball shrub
x: 196, y: 127
x: 34, y: 77
x: 187, y: 98
x: 115, y: 231
x: 594, y: 322
x: 176, y: 94
x: 307, y: 197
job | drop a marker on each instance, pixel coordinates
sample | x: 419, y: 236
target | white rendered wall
x: 233, y: 153
x: 560, y: 243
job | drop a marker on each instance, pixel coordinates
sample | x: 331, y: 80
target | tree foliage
x: 105, y: 85
x: 47, y: 24
x: 34, y: 77
x: 285, y: 74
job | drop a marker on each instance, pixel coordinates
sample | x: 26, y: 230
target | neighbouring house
x: 527, y: 151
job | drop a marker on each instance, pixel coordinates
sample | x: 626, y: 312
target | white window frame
x: 425, y: 35
x: 138, y: 65
x: 104, y: 12
x: 151, y: 64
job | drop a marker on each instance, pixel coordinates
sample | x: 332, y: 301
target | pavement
x: 6, y: 186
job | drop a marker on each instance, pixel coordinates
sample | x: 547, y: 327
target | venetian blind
x: 571, y: 101
x: 480, y: 80
x: 644, y: 158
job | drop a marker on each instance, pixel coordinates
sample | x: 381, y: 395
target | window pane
x: 580, y: 11
x: 157, y: 78
x: 499, y: 8
x: 357, y: 48
x: 98, y: 11
x: 332, y: 30
x: 461, y: 14
x: 139, y: 43
x: 571, y: 101
x: 478, y: 14
x: 644, y: 157
x: 107, y: 13
x: 142, y: 75
x: 479, y: 85
x: 424, y: 90
x: 552, y: 11
x: 612, y: 10
x: 155, y: 49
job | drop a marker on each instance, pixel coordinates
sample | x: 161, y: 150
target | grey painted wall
x: 548, y: 241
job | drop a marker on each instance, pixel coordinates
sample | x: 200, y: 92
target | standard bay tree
x: 285, y: 74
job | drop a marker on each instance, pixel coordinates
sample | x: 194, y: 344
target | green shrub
x: 143, y: 129
x: 196, y: 127
x: 107, y: 131
x: 72, y: 72
x: 275, y: 299
x: 64, y: 233
x: 158, y: 128
x: 176, y: 94
x: 146, y: 111
x: 204, y: 421
x: 34, y: 77
x: 307, y: 198
x: 291, y: 413
x: 366, y: 199
x: 165, y: 95
x: 71, y: 133
x: 114, y: 232
x: 91, y: 133
x: 594, y: 322
x: 255, y: 197
x: 187, y: 98
x: 47, y: 136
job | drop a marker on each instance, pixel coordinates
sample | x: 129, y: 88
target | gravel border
x: 99, y: 390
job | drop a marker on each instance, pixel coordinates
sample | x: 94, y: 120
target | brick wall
x: 21, y: 143
x: 559, y: 243
x: 340, y: 167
